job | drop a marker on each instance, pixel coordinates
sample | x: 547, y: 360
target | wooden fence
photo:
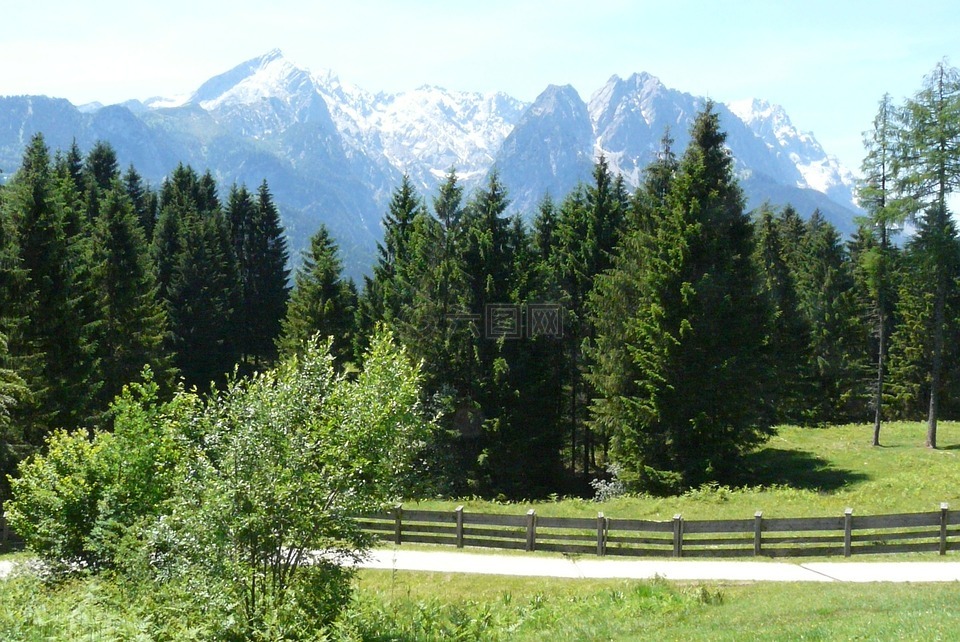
x: 847, y: 534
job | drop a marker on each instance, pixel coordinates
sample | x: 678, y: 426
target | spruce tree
x: 588, y: 229
x: 837, y: 349
x: 100, y: 169
x: 132, y: 323
x: 203, y: 298
x: 322, y: 302
x: 13, y: 389
x: 143, y: 199
x: 57, y: 341
x: 198, y: 277
x: 682, y: 403
x: 261, y: 252
x: 789, y: 334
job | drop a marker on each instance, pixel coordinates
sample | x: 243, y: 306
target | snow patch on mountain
x: 425, y: 132
x: 270, y: 78
x: 818, y: 170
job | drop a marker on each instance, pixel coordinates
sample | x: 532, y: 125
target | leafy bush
x: 242, y: 504
x: 75, y: 504
x: 56, y: 498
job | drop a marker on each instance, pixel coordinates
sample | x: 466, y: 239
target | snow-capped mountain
x: 424, y: 132
x: 549, y: 150
x: 333, y: 152
x: 818, y: 170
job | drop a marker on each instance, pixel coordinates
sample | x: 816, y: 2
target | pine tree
x: 322, y: 302
x: 681, y: 402
x: 911, y: 342
x: 13, y: 389
x: 166, y: 246
x: 884, y: 219
x: 73, y: 164
x: 203, y: 299
x: 261, y: 252
x: 13, y: 392
x: 837, y: 349
x: 588, y: 229
x: 132, y: 323
x: 198, y: 277
x: 100, y: 169
x: 57, y: 339
x: 789, y: 333
x: 388, y: 291
x: 930, y: 173
x: 144, y: 200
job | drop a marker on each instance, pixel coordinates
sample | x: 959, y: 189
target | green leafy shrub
x: 56, y: 498
x: 241, y: 505
x: 76, y: 503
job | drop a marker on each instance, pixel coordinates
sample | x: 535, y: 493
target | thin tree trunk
x: 878, y: 399
x: 882, y: 336
x: 937, y: 364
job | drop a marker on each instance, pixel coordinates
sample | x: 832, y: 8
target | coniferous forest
x: 656, y: 335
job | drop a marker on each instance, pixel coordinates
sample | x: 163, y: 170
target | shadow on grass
x: 797, y: 469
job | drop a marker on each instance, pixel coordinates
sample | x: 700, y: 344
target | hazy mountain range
x: 333, y: 152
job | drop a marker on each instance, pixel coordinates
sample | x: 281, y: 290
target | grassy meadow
x: 436, y: 606
x: 800, y: 472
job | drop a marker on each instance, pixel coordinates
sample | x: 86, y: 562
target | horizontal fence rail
x: 846, y: 534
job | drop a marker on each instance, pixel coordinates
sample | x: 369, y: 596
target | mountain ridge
x: 333, y: 152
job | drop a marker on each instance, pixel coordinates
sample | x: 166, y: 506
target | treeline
x: 101, y: 276
x: 658, y: 334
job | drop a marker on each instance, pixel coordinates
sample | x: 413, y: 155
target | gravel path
x: 737, y: 571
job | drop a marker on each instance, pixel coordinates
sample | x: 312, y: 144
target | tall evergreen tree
x: 261, y: 252
x: 682, y: 404
x: 198, y: 277
x: 930, y: 174
x: 884, y: 219
x: 588, y: 230
x: 388, y: 290
x: 166, y: 246
x: 13, y: 389
x: 74, y: 166
x: 59, y: 331
x: 203, y: 299
x: 144, y: 200
x: 837, y: 349
x: 322, y: 302
x: 789, y: 335
x: 100, y: 169
x: 132, y: 323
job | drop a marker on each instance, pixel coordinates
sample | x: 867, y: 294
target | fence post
x: 944, y: 509
x: 847, y: 532
x: 458, y: 513
x: 678, y: 535
x: 757, y: 529
x: 601, y: 534
x: 397, y: 523
x: 531, y: 529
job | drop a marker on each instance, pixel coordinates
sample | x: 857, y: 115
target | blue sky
x: 827, y: 62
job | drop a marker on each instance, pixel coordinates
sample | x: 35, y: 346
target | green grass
x: 434, y: 606
x: 800, y: 472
